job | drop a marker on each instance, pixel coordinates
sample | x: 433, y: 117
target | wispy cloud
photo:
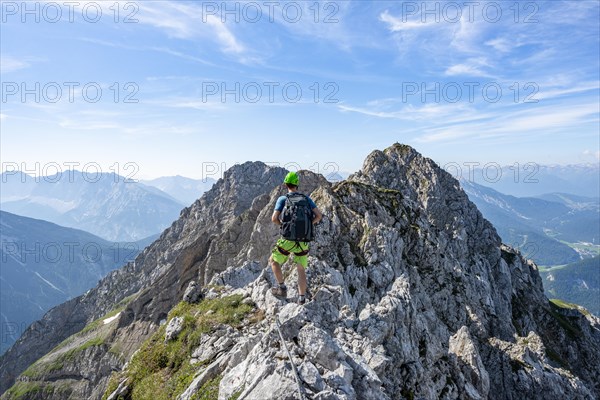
x: 179, y: 54
x: 194, y: 104
x: 9, y: 64
x: 564, y: 90
x: 471, y: 67
x: 186, y: 21
x: 324, y: 21
x: 137, y: 125
x: 502, y: 44
x: 429, y: 39
x: 540, y: 121
x: 467, y: 34
x: 87, y: 125
x: 160, y: 49
x: 450, y: 113
x: 227, y: 39
x: 398, y: 24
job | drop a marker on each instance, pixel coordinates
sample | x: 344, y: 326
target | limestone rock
x: 121, y: 391
x: 192, y: 293
x: 174, y: 327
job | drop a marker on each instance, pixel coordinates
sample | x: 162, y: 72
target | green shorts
x: 292, y: 248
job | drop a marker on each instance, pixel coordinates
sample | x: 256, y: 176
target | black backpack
x: 296, y: 219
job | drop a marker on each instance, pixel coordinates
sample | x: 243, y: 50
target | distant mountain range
x: 578, y: 283
x: 44, y: 264
x: 185, y: 190
x: 530, y: 179
x: 555, y: 229
x: 106, y: 205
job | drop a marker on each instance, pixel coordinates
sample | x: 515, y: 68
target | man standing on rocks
x: 295, y: 213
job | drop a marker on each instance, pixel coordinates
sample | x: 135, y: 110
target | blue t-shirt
x: 281, y: 203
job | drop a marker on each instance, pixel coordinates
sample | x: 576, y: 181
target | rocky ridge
x: 412, y: 296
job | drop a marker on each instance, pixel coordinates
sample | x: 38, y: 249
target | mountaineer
x: 295, y: 213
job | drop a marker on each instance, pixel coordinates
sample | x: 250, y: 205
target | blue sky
x: 424, y: 74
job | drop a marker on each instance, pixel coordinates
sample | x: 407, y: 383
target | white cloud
x: 396, y: 24
x: 176, y: 19
x: 187, y: 22
x: 181, y: 55
x: 442, y: 41
x: 541, y: 121
x: 368, y: 112
x: 466, y: 37
x: 471, y: 67
x: 197, y: 105
x: 87, y: 125
x: 551, y: 118
x: 330, y: 26
x: 557, y: 91
x: 165, y: 50
x: 451, y: 113
x: 9, y: 64
x: 225, y: 36
x: 463, y: 69
x: 591, y: 153
x: 501, y: 44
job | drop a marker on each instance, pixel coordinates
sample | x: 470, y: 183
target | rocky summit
x: 412, y: 295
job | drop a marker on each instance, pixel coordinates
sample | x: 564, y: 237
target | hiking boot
x: 279, y: 291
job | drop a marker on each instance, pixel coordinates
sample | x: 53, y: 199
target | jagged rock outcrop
x: 413, y: 296
x: 155, y: 281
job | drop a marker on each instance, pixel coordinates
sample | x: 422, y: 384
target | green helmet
x: 291, y: 178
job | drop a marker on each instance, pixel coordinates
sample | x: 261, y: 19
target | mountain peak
x: 412, y: 295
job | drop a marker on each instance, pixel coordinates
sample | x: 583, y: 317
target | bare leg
x: 276, y: 271
x: 301, y: 280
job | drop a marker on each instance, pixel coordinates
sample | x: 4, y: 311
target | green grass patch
x: 100, y: 321
x: 26, y: 390
x: 88, y: 328
x: 113, y: 384
x: 217, y: 288
x: 117, y: 351
x: 550, y: 268
x: 594, y: 249
x: 408, y: 394
x: 119, y: 307
x: 572, y: 330
x: 208, y: 391
x: 63, y: 344
x: 387, y: 190
x: 152, y: 387
x: 571, y: 306
x: 42, y: 367
x: 164, y: 369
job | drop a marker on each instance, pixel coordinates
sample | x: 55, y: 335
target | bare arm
x: 317, y: 215
x: 275, y: 217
